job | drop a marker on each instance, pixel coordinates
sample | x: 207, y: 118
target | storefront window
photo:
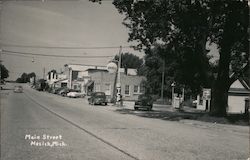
x: 136, y: 89
x: 127, y: 90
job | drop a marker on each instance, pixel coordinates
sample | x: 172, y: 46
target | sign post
x: 118, y: 85
x: 173, y: 85
x: 206, y: 97
x: 113, y: 68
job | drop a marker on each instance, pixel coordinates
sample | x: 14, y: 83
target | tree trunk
x: 219, y: 101
x: 222, y: 83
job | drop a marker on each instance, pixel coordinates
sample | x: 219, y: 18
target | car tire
x: 105, y: 103
x: 136, y: 108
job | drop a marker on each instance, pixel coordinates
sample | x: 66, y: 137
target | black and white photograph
x: 124, y: 80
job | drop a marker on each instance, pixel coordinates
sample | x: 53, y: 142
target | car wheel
x: 136, y: 108
x: 105, y: 103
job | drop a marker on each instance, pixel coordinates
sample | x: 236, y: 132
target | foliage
x: 129, y: 60
x: 186, y: 26
x: 4, y: 72
x: 25, y: 77
x: 183, y: 29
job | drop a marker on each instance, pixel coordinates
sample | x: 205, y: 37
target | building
x: 52, y: 76
x: 77, y: 75
x: 92, y: 78
x: 56, y: 80
x: 103, y: 81
x: 238, y: 95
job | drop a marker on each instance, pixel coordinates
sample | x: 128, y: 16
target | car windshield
x: 73, y: 90
x: 18, y: 87
x: 99, y: 94
x: 148, y: 97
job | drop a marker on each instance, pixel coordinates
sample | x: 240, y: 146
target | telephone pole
x: 43, y: 72
x: 162, y: 80
x: 0, y: 64
x: 118, y: 84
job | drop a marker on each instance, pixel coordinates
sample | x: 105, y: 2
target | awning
x: 89, y: 83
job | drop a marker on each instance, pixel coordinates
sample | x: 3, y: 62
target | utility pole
x: 0, y: 64
x: 162, y: 80
x: 43, y: 72
x: 173, y: 85
x: 118, y: 84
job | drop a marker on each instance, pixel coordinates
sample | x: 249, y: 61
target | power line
x: 62, y: 47
x: 50, y: 55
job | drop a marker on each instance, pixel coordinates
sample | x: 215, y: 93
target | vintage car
x: 18, y: 89
x: 98, y: 98
x: 75, y: 94
x: 144, y: 101
x: 64, y: 91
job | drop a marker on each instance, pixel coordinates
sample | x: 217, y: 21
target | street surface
x: 42, y: 126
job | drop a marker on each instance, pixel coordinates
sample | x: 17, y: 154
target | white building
x: 238, y: 94
x: 51, y: 77
x: 77, y: 75
x: 55, y: 79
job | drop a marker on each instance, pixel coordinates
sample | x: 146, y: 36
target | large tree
x: 129, y: 60
x: 186, y: 27
x: 25, y: 77
x: 4, y: 72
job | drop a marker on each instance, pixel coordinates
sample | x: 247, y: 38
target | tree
x: 4, y: 72
x: 185, y: 27
x: 129, y: 60
x: 25, y: 77
x: 175, y: 71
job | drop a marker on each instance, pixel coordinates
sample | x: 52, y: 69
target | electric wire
x: 63, y: 47
x: 52, y: 55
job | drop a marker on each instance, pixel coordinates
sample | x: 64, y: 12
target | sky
x: 74, y: 23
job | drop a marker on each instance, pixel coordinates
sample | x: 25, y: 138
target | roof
x: 61, y: 80
x: 96, y: 70
x: 239, y: 86
x: 83, y: 67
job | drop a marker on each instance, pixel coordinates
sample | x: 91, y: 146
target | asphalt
x: 107, y: 132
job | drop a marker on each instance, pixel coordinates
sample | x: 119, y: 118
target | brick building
x: 103, y: 81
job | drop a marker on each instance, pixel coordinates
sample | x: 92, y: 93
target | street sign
x: 118, y: 94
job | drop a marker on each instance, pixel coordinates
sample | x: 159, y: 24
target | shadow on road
x: 178, y: 115
x: 7, y: 89
x: 165, y: 115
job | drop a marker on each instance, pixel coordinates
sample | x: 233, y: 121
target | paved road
x: 41, y: 126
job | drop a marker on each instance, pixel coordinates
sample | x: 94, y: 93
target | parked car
x: 98, y: 98
x: 145, y: 102
x: 18, y: 89
x: 64, y: 91
x: 57, y: 90
x: 75, y: 94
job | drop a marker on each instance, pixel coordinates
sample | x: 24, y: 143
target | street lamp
x: 173, y: 85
